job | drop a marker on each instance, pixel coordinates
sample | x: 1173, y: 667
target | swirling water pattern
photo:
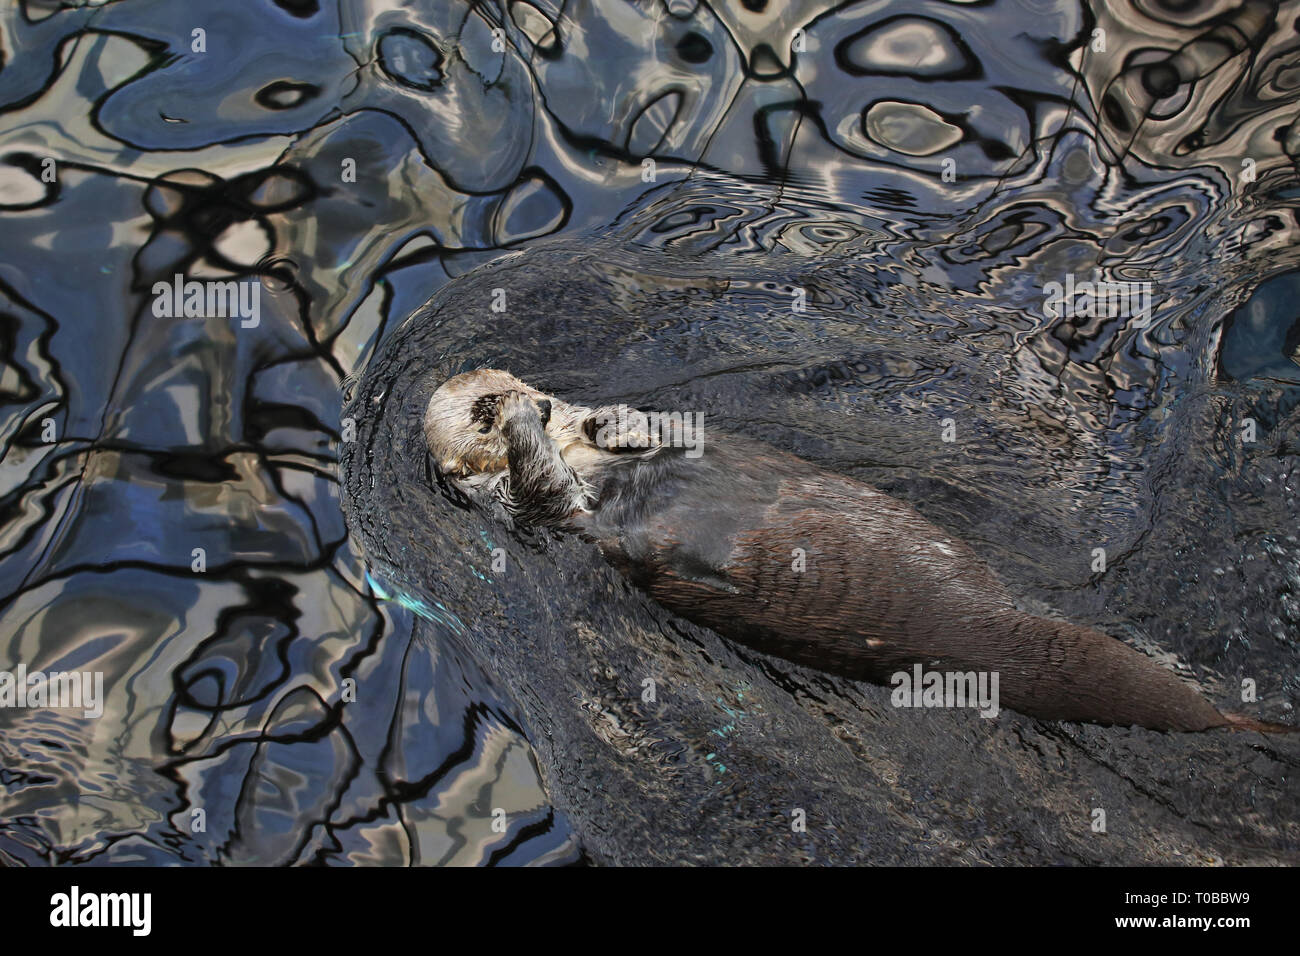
x: 650, y: 181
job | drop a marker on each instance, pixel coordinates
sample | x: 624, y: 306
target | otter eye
x: 485, y: 429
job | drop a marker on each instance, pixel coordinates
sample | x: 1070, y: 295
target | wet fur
x: 712, y: 539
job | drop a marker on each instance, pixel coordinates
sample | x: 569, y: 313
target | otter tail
x: 1063, y: 671
x: 1241, y: 722
x: 1088, y: 675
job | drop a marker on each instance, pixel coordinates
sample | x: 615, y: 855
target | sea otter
x: 782, y: 556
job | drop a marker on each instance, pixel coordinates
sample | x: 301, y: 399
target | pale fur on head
x: 463, y: 406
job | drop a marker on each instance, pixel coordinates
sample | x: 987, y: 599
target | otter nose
x: 544, y: 409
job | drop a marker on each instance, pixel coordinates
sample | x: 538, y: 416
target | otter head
x: 460, y: 423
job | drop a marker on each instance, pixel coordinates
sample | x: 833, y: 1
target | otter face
x: 460, y: 424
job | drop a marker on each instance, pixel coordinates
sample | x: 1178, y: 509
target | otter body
x: 793, y: 560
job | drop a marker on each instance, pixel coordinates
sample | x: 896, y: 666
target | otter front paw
x: 513, y: 406
x: 621, y: 428
x: 516, y: 408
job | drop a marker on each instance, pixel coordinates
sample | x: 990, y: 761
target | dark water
x: 920, y: 172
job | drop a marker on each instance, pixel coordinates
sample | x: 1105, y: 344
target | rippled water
x: 651, y: 184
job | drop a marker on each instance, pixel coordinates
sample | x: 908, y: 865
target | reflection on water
x: 657, y: 181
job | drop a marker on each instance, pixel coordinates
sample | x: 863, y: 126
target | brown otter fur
x: 712, y: 538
